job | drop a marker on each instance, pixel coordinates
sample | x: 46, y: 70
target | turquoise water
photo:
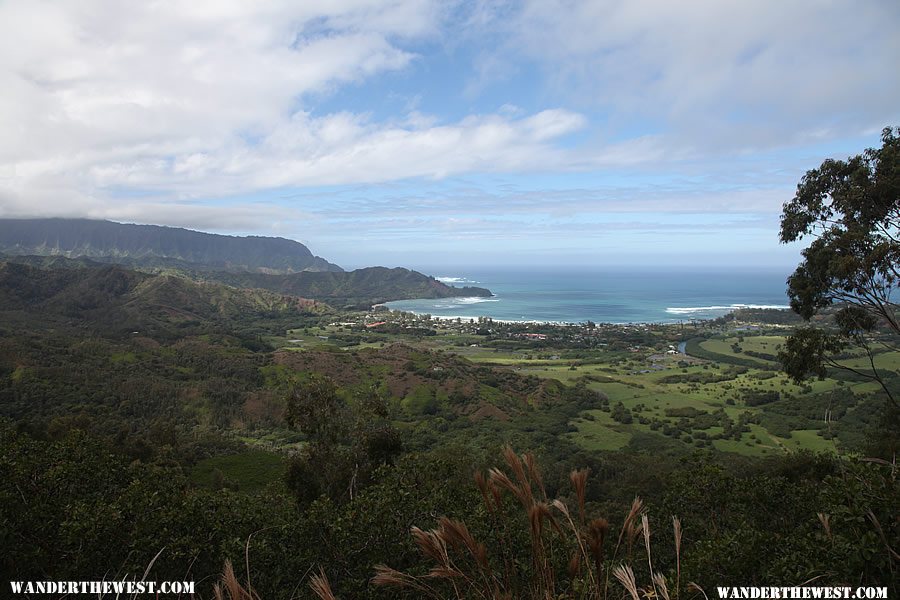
x: 605, y: 296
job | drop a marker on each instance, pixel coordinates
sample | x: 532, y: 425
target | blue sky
x: 443, y: 134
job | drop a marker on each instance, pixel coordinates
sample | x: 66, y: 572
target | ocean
x: 573, y: 296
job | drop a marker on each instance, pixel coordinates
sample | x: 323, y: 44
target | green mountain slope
x: 115, y: 300
x: 358, y: 289
x: 362, y: 287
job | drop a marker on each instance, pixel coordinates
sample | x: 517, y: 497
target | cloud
x: 687, y: 199
x: 306, y: 151
x: 99, y: 91
x: 193, y: 100
x: 89, y: 77
x: 178, y: 112
x: 246, y: 217
x: 720, y: 74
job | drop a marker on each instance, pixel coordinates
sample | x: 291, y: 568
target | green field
x: 249, y: 471
x: 727, y: 393
x: 597, y: 431
x: 659, y: 388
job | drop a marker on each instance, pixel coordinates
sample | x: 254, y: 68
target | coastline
x: 554, y: 296
x: 673, y: 320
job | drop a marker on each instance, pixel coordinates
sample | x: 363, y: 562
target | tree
x: 348, y: 438
x: 852, y: 210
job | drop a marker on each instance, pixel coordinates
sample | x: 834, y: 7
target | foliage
x: 107, y: 424
x: 346, y: 440
x: 852, y: 210
x: 801, y: 518
x: 570, y: 554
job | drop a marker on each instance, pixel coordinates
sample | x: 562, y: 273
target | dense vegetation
x: 184, y: 412
x: 358, y: 289
x: 147, y: 414
x: 851, y: 210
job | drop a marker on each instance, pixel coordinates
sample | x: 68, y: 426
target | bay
x: 604, y: 296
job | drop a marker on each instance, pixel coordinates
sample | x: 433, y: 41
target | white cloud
x: 344, y: 148
x: 201, y: 99
x: 721, y: 73
x: 123, y: 109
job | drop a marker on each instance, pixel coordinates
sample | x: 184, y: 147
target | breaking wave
x: 446, y: 303
x: 476, y: 299
x: 687, y: 310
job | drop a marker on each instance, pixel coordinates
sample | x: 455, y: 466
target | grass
x: 251, y: 470
x: 747, y: 446
x: 889, y: 361
x: 769, y: 344
x: 638, y: 382
x: 723, y: 347
x: 646, y: 395
x: 601, y: 433
x: 601, y: 562
x: 809, y: 439
x: 123, y: 358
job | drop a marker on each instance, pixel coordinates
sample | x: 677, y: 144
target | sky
x: 445, y: 134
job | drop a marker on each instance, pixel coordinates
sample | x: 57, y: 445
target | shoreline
x: 680, y: 315
x: 465, y: 319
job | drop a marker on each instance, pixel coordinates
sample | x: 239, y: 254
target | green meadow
x: 726, y: 393
x: 733, y: 378
x: 248, y: 471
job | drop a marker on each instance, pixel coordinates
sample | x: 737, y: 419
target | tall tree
x: 348, y: 437
x: 852, y: 210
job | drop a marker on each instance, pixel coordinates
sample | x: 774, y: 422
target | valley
x: 224, y: 410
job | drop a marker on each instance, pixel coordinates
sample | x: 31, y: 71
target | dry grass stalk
x: 629, y: 530
x: 495, y: 492
x: 579, y: 539
x: 574, y: 566
x: 457, y: 534
x: 503, y: 482
x: 579, y: 481
x: 445, y: 573
x: 230, y: 588
x: 543, y: 570
x: 534, y: 473
x: 436, y: 544
x: 676, y: 528
x: 877, y: 524
x: 515, y: 464
x: 633, y: 530
x: 825, y: 520
x: 596, y: 537
x: 431, y: 545
x: 462, y: 562
x: 535, y: 519
x: 659, y: 582
x: 697, y: 588
x: 645, y: 527
x: 625, y: 575
x: 561, y: 507
x: 386, y: 576
x: 320, y: 586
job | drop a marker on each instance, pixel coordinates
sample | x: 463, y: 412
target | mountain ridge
x: 361, y: 288
x: 116, y: 301
x: 109, y: 241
